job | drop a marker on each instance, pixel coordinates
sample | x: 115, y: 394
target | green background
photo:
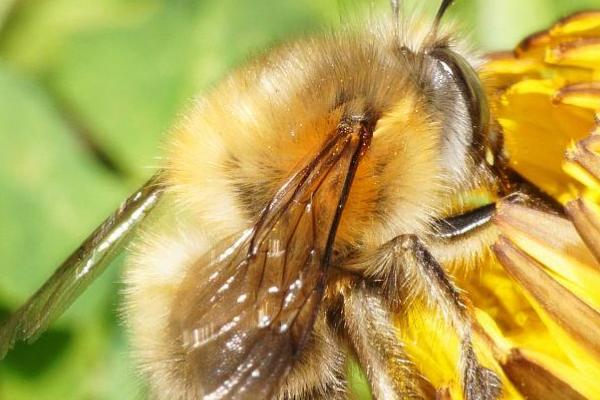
x: 87, y: 91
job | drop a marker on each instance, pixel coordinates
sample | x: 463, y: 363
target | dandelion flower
x: 535, y: 298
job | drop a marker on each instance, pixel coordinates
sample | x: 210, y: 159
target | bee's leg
x: 370, y: 329
x: 319, y: 373
x: 411, y: 268
x: 327, y: 394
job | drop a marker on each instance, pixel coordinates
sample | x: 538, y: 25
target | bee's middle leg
x: 405, y: 267
x: 415, y: 271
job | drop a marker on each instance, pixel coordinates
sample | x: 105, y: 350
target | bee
x: 305, y: 201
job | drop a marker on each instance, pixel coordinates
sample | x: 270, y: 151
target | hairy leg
x: 405, y: 268
x: 320, y: 372
x: 370, y: 329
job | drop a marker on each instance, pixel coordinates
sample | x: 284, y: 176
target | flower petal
x: 584, y: 95
x: 576, y: 53
x: 586, y: 218
x: 583, y: 24
x: 573, y: 315
x: 554, y: 242
x: 535, y: 381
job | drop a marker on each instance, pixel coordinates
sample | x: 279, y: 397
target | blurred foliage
x: 87, y: 91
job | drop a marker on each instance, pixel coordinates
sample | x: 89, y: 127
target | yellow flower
x: 536, y: 300
x: 545, y: 95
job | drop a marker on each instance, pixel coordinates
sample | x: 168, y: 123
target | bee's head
x: 447, y: 81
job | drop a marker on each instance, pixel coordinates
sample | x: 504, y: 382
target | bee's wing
x: 244, y: 313
x: 80, y: 269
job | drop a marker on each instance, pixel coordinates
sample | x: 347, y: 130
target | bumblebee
x: 303, y: 204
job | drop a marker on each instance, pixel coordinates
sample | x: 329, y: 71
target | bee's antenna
x: 395, y: 8
x: 395, y: 4
x: 438, y: 19
x: 440, y: 14
x: 442, y: 10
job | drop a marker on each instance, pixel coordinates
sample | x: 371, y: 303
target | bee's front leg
x: 404, y: 268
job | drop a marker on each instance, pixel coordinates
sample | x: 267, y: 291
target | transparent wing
x: 246, y: 311
x: 80, y: 269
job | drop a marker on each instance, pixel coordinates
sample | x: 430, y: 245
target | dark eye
x: 452, y: 70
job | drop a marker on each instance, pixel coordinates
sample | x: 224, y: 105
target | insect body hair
x: 237, y: 146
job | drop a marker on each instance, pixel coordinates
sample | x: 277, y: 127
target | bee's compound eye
x: 442, y: 75
x: 453, y: 77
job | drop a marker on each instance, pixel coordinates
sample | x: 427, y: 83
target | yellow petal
x: 577, y: 318
x: 581, y: 24
x: 585, y: 155
x: 431, y: 347
x: 538, y: 130
x: 579, y: 53
x: 584, y: 95
x: 536, y: 381
x: 554, y: 242
x: 527, y: 369
x: 534, y: 46
x: 586, y: 218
